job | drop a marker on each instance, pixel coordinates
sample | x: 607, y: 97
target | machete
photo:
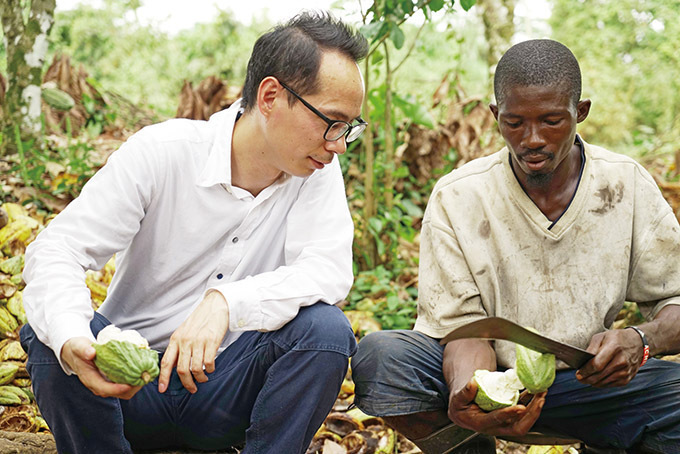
x: 500, y: 328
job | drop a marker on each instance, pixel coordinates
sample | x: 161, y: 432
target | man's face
x: 538, y: 124
x: 296, y: 136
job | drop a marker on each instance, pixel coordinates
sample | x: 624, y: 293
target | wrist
x: 645, y: 344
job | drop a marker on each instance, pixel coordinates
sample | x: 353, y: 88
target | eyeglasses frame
x: 328, y: 121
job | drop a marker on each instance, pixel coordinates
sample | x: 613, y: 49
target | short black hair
x: 541, y: 62
x: 291, y: 52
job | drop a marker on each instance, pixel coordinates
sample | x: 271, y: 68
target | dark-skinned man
x: 553, y: 233
x: 233, y: 242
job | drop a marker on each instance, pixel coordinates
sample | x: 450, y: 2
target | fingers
x: 515, y: 420
x: 609, y: 377
x: 167, y: 364
x: 195, y: 343
x: 189, y: 357
x: 614, y: 363
x: 184, y: 361
x: 91, y: 377
x: 210, y: 355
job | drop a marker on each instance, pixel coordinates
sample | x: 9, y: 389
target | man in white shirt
x: 233, y: 243
x: 555, y: 234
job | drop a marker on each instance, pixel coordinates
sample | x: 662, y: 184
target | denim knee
x: 399, y: 372
x: 377, y: 352
x: 319, y: 327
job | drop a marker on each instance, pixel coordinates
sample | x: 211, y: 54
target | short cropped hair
x: 291, y: 52
x: 541, y: 62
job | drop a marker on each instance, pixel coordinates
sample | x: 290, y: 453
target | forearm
x: 461, y: 359
x: 663, y: 333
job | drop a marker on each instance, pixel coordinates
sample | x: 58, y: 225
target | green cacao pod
x: 13, y: 351
x: 496, y: 389
x: 125, y: 362
x: 57, y: 98
x: 15, y: 306
x: 13, y: 265
x: 8, y: 324
x: 535, y: 370
x: 13, y: 395
x: 7, y: 372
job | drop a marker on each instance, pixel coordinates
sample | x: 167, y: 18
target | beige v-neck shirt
x: 487, y: 250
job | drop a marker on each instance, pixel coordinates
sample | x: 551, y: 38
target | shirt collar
x: 217, y: 169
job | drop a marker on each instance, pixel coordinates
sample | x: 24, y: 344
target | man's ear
x: 582, y: 110
x: 267, y: 93
x: 494, y: 110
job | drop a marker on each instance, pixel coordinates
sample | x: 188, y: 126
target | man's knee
x: 38, y: 353
x: 384, y: 352
x: 398, y: 373
x: 321, y: 327
x: 376, y: 351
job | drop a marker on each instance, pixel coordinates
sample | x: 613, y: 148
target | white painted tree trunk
x: 26, y: 42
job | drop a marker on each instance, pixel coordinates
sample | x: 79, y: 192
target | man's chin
x: 539, y: 179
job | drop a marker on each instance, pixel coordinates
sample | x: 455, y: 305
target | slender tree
x: 382, y: 26
x: 26, y: 28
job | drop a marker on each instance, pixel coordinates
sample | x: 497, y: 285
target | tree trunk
x: 26, y: 47
x: 389, y: 139
x: 370, y: 249
x: 499, y: 27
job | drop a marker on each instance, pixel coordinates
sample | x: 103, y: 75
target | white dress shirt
x: 164, y: 204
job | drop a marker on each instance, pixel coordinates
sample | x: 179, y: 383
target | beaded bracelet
x: 645, y: 344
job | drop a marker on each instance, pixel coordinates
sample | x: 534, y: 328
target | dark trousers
x: 400, y: 373
x: 272, y: 390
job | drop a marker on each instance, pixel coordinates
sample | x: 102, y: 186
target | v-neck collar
x: 557, y: 227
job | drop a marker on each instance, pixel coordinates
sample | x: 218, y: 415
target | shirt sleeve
x: 318, y: 259
x: 448, y: 296
x: 93, y: 227
x: 655, y: 272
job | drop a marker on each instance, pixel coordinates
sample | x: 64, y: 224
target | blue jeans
x: 400, y: 373
x: 272, y: 390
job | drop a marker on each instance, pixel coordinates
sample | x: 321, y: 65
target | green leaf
x: 370, y: 31
x: 397, y: 36
x: 392, y: 301
x: 401, y: 172
x: 384, y: 29
x: 412, y: 209
x: 381, y: 246
x: 415, y: 111
x: 467, y: 4
x: 436, y: 5
x: 375, y: 224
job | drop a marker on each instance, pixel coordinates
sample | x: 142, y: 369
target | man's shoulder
x: 175, y: 130
x: 600, y: 153
x: 611, y: 164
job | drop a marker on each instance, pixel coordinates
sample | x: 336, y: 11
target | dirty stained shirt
x: 487, y: 250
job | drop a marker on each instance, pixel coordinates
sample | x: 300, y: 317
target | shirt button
x: 234, y: 240
x: 241, y: 323
x: 220, y: 276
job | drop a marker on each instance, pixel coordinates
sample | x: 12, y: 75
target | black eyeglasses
x: 336, y: 128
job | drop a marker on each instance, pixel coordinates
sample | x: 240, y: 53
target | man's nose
x: 533, y: 139
x: 338, y: 146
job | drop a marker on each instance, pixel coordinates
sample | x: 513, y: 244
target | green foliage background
x: 628, y: 54
x: 627, y: 50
